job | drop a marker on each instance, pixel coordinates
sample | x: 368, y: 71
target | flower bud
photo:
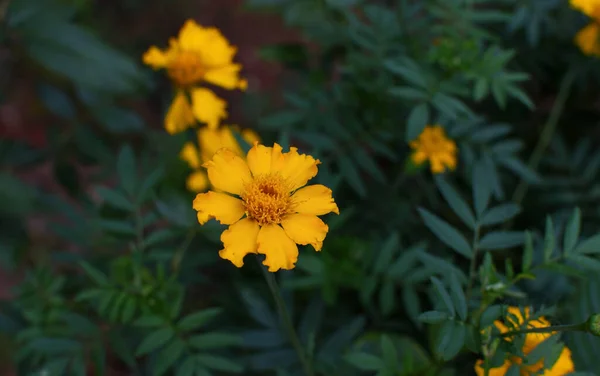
x: 593, y: 324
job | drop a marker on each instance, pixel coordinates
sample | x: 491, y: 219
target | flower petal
x: 281, y: 252
x: 259, y: 159
x: 314, y: 199
x: 498, y: 371
x: 207, y: 107
x: 305, y: 229
x: 197, y: 182
x: 587, y: 39
x: 179, y: 116
x: 239, y: 240
x: 221, y: 206
x: 189, y: 153
x: 563, y: 366
x: 228, y: 172
x: 155, y: 57
x: 298, y: 169
x: 225, y: 76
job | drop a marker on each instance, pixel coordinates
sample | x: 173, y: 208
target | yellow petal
x: 189, y: 153
x: 498, y: 371
x: 305, y: 229
x: 298, y: 169
x: 225, y: 76
x: 207, y: 107
x: 281, y: 252
x: 418, y: 157
x: 210, y: 141
x: 239, y: 240
x: 197, y: 182
x: 228, y: 140
x: 179, y: 116
x: 208, y: 42
x: 192, y: 36
x: 221, y: 206
x: 250, y: 136
x: 202, y: 217
x: 314, y: 199
x: 587, y: 39
x: 228, y: 172
x: 563, y: 366
x: 155, y: 57
x: 259, y: 159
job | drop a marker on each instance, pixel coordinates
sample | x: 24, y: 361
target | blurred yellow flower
x: 563, y: 366
x: 591, y: 8
x: 587, y: 39
x: 211, y: 140
x: 199, y: 54
x: 432, y: 145
x: 278, y: 210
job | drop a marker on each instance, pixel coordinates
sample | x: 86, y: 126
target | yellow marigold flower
x: 432, y: 145
x: 588, y: 39
x: 273, y: 210
x: 211, y: 140
x: 563, y: 366
x: 591, y: 8
x: 199, y: 54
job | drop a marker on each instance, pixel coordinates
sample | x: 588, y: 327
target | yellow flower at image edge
x: 563, y: 366
x: 211, y: 140
x: 199, y: 54
x: 591, y: 8
x: 588, y: 39
x: 273, y: 210
x: 432, y: 145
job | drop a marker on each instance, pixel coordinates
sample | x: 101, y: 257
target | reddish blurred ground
x: 22, y: 118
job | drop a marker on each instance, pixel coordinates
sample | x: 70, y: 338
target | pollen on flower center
x: 186, y: 68
x: 266, y: 199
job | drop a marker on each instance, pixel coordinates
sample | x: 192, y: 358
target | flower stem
x: 287, y: 321
x: 547, y: 132
x: 549, y: 329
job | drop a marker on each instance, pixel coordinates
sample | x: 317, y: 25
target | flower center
x: 186, y: 69
x: 267, y: 199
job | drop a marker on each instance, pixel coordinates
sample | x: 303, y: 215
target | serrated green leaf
x: 198, y: 319
x: 572, y: 231
x: 456, y: 202
x: 417, y: 119
x: 443, y: 293
x: 499, y: 214
x: 122, y: 227
x: 155, y: 340
x: 501, y: 240
x: 446, y: 233
x: 433, y: 317
x: 214, y: 340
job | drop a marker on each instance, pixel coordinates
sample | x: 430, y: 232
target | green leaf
x: 390, y: 355
x: 519, y: 168
x: 54, y: 345
x: 387, y: 297
x: 198, y: 319
x: 409, y: 93
x: 590, y: 245
x: 451, y: 339
x: 443, y: 293
x: 115, y: 198
x: 482, y: 189
x: 126, y: 169
x: 458, y: 297
x: 97, y: 276
x: 150, y: 321
x: 364, y: 361
x: 417, y: 119
x: 168, y: 356
x: 433, y: 317
x: 572, y: 231
x: 499, y: 214
x: 446, y: 233
x: 214, y: 340
x: 527, y: 252
x: 155, y: 340
x: 122, y: 227
x: 218, y: 363
x: 187, y: 368
x: 491, y: 314
x: 548, y: 240
x: 460, y: 207
x: 501, y: 240
x: 386, y: 253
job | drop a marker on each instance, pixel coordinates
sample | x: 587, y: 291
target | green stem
x: 473, y: 265
x: 547, y: 132
x: 548, y: 329
x: 287, y: 321
x: 178, y: 257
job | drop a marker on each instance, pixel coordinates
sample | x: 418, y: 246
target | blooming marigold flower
x: 209, y: 141
x: 273, y: 210
x: 199, y: 54
x: 432, y: 145
x: 563, y: 366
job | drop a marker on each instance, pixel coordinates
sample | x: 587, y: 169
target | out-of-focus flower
x: 199, y: 55
x: 587, y: 39
x: 432, y: 145
x: 273, y: 210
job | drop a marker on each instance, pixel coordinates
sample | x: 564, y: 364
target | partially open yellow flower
x: 198, y: 55
x: 211, y: 140
x: 266, y: 204
x: 563, y: 366
x: 432, y: 145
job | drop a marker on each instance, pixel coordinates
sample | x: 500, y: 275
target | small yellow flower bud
x: 593, y: 324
